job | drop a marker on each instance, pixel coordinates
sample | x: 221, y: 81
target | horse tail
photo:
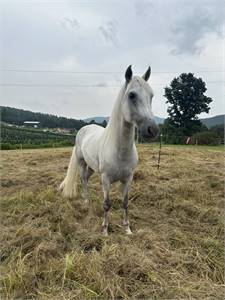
x: 69, y: 184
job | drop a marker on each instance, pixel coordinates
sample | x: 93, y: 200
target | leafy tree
x: 187, y: 100
x: 172, y: 135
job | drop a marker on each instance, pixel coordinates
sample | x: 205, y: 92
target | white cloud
x: 188, y: 32
x: 92, y: 36
x: 109, y: 31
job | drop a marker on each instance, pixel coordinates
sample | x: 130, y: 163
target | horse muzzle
x: 149, y: 129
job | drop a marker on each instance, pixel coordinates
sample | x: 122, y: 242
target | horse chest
x: 120, y: 167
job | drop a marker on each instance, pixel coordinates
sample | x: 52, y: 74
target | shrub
x: 8, y: 146
x: 218, y: 130
x: 205, y: 138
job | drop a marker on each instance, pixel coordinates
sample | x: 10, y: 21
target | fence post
x: 160, y: 147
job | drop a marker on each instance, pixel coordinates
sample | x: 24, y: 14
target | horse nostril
x: 150, y: 132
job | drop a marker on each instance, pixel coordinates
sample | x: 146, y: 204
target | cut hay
x: 52, y: 248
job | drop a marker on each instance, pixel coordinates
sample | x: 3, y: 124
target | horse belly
x: 90, y: 152
x: 90, y: 146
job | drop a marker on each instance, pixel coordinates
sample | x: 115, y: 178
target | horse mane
x: 115, y: 117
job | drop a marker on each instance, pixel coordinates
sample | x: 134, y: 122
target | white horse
x: 111, y: 151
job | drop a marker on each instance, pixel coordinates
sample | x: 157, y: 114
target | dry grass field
x: 52, y: 248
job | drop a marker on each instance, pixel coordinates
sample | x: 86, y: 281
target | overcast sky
x: 64, y: 43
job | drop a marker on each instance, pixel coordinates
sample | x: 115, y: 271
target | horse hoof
x: 128, y: 231
x: 105, y: 231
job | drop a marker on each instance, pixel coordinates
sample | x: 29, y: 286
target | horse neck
x: 119, y: 133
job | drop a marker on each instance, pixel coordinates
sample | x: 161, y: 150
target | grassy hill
x: 13, y: 137
x: 52, y: 248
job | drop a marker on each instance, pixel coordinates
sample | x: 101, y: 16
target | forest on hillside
x: 19, y: 116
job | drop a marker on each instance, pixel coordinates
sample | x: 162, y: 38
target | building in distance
x: 33, y: 124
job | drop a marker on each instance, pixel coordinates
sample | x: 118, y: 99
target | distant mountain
x: 99, y: 120
x: 209, y: 122
x: 159, y: 120
x: 217, y: 120
x: 17, y: 116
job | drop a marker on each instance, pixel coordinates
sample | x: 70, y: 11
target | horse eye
x: 132, y: 95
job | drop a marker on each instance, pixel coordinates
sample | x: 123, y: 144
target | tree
x: 171, y: 134
x: 187, y: 100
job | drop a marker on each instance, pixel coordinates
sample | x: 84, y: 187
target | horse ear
x: 128, y: 74
x: 147, y: 74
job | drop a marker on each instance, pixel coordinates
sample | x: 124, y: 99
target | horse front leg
x: 125, y: 190
x: 106, y: 203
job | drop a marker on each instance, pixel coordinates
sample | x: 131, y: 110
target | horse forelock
x: 141, y: 83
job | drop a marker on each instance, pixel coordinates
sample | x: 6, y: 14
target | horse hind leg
x: 106, y: 203
x: 85, y: 174
x: 88, y: 174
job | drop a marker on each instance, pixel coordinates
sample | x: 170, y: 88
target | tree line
x: 19, y: 116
